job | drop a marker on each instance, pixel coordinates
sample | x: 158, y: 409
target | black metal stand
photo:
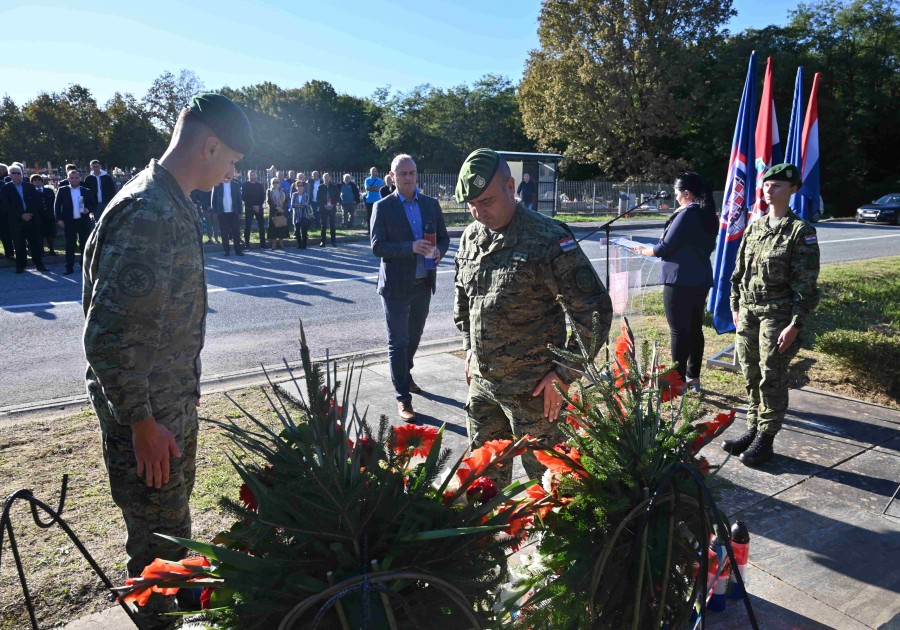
x: 55, y: 518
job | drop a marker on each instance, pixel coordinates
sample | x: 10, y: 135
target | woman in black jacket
x: 685, y: 248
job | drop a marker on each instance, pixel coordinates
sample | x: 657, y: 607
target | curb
x: 218, y: 383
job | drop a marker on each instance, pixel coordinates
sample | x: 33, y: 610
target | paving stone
x: 846, y: 558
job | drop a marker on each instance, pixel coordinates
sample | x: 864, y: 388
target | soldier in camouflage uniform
x: 773, y: 290
x: 144, y: 301
x: 511, y: 264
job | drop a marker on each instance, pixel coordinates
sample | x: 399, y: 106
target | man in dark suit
x: 226, y: 203
x: 5, y: 235
x: 23, y: 210
x: 73, y: 207
x: 103, y: 185
x: 253, y: 194
x: 328, y: 197
x: 404, y: 281
x: 48, y: 219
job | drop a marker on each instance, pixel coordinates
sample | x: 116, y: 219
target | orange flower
x: 415, y: 438
x: 158, y: 572
x: 537, y: 493
x: 625, y: 347
x: 479, y: 459
x: 559, y: 465
x: 670, y: 384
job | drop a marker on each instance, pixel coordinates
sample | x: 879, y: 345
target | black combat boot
x: 741, y: 444
x: 760, y: 451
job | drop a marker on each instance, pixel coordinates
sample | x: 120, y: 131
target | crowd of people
x: 288, y: 203
x: 33, y: 213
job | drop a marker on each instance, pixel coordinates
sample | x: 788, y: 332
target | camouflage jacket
x: 777, y: 268
x: 144, y: 299
x: 505, y: 303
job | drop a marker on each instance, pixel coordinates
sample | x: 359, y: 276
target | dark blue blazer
x: 62, y: 205
x: 236, y: 200
x: 16, y: 207
x: 392, y: 241
x: 686, y: 245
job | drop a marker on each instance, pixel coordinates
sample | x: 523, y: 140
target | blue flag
x: 739, y: 196
x: 794, y: 152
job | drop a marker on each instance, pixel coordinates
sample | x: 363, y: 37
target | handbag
x: 279, y: 221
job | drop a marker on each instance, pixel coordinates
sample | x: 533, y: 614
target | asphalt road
x: 257, y: 301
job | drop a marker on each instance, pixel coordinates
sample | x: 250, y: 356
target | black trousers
x: 230, y: 226
x: 684, y: 311
x: 29, y: 235
x: 6, y: 236
x: 369, y: 207
x: 260, y: 223
x: 329, y: 218
x: 301, y: 231
x: 76, y: 230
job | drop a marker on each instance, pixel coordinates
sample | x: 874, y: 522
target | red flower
x: 670, y: 384
x: 560, y: 465
x: 537, y: 493
x: 625, y: 347
x: 248, y: 498
x: 479, y: 459
x: 415, y: 438
x: 157, y: 572
x: 482, y: 490
x: 206, y: 598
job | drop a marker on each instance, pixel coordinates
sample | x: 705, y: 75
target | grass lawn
x: 858, y: 298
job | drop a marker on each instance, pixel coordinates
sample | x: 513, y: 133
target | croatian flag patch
x: 568, y: 244
x: 811, y: 239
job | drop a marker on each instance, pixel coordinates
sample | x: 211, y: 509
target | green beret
x: 784, y: 173
x: 476, y: 174
x: 227, y: 120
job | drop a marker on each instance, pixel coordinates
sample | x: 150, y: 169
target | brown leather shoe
x: 406, y: 411
x: 413, y: 388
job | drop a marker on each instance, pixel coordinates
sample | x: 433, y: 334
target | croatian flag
x: 739, y: 194
x: 768, y: 144
x: 808, y: 197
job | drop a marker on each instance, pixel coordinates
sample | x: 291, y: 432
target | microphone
x: 663, y: 194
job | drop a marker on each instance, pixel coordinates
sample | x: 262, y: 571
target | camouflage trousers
x: 148, y: 510
x: 765, y: 369
x: 493, y: 417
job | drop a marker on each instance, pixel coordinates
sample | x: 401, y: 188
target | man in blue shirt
x: 404, y: 283
x: 373, y: 193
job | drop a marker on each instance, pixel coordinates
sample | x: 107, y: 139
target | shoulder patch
x: 136, y: 280
x: 585, y: 280
x: 810, y: 239
x: 567, y: 244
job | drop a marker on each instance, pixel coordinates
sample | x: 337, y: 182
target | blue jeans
x: 405, y: 319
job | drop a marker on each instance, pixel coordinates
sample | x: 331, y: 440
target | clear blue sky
x: 357, y: 46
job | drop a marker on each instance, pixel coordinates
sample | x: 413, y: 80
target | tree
x: 169, y: 95
x: 439, y: 128
x: 129, y: 138
x: 63, y: 127
x: 614, y: 81
x: 12, y: 131
x: 856, y: 47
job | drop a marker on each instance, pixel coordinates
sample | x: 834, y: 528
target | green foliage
x: 440, y: 127
x: 857, y: 322
x: 615, y: 82
x: 620, y: 552
x: 865, y: 354
x: 327, y: 502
